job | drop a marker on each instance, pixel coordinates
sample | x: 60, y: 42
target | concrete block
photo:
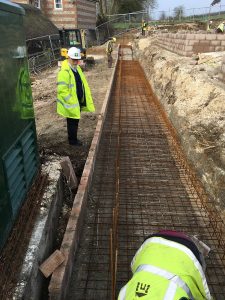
x: 200, y: 36
x: 187, y: 53
x: 51, y: 263
x: 220, y: 37
x: 191, y: 36
x: 211, y: 37
x: 190, y: 42
x: 217, y: 49
x: 223, y: 68
x: 188, y: 48
x: 216, y: 43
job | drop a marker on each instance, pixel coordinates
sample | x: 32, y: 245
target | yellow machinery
x: 72, y: 38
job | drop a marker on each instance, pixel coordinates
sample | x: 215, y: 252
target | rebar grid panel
x: 157, y: 190
x: 12, y: 255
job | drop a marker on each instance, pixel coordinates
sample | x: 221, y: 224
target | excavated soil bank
x: 194, y: 99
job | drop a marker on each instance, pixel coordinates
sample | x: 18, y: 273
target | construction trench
x: 140, y: 183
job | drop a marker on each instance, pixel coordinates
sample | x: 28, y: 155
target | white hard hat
x: 74, y: 53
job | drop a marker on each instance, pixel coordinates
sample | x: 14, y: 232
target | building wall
x: 86, y: 14
x: 73, y: 14
x: 62, y: 17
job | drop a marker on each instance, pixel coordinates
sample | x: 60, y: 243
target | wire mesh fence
x: 179, y: 14
x: 118, y: 24
x: 43, y: 52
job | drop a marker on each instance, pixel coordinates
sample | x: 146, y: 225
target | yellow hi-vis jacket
x: 67, y: 102
x: 24, y: 100
x: 109, y: 47
x: 165, y: 270
x: 221, y: 27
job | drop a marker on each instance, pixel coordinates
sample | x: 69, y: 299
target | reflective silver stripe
x: 68, y: 97
x: 61, y: 83
x: 122, y: 294
x: 64, y: 83
x: 167, y: 275
x: 187, y: 251
x: 171, y: 291
x: 67, y: 105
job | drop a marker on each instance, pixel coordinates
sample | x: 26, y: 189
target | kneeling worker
x: 220, y: 28
x: 73, y: 94
x: 168, y: 266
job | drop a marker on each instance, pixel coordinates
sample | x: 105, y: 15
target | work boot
x: 75, y: 143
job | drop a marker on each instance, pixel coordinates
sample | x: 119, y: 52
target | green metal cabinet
x: 18, y: 145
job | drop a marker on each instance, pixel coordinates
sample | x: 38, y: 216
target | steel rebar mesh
x: 157, y: 190
x: 12, y: 255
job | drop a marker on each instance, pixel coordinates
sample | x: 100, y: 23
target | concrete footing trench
x: 136, y: 181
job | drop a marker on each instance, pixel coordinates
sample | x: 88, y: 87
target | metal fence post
x: 108, y: 30
x: 53, y: 53
x: 97, y: 36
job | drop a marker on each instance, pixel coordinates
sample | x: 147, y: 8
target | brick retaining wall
x: 186, y: 44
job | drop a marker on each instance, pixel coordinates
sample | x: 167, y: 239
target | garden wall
x: 186, y: 44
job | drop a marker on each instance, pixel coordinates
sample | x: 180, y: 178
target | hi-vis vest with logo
x: 67, y: 102
x: 165, y: 270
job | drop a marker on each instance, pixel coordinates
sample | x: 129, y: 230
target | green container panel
x: 18, y: 145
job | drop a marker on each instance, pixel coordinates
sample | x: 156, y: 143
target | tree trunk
x: 101, y: 8
x: 114, y: 7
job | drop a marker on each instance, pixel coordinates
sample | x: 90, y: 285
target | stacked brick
x: 186, y: 44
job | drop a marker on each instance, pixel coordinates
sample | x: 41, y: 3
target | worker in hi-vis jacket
x: 109, y: 50
x: 221, y: 27
x: 73, y: 94
x: 169, y: 265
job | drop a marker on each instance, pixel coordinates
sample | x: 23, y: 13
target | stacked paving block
x: 187, y: 44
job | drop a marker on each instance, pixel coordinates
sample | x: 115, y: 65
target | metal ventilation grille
x: 20, y: 165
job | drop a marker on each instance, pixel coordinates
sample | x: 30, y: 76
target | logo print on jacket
x: 142, y: 289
